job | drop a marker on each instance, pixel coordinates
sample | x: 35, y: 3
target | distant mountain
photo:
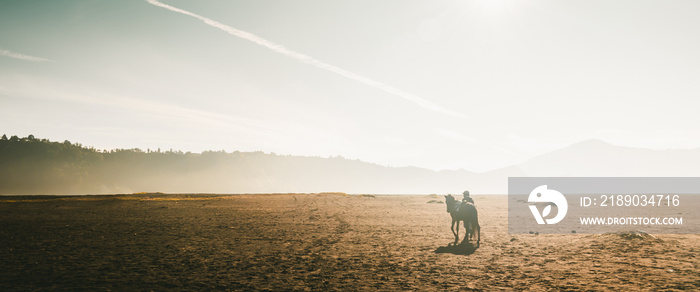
x: 598, y: 158
x: 595, y: 158
x: 38, y: 166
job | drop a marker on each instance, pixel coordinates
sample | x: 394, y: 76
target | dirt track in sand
x: 313, y: 241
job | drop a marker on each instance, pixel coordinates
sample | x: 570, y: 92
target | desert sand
x: 313, y: 242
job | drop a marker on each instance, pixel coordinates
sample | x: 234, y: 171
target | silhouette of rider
x: 467, y: 198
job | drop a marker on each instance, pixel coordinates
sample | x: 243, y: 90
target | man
x: 467, y: 198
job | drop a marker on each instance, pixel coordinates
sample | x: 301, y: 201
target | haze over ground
x: 474, y: 85
x: 32, y: 165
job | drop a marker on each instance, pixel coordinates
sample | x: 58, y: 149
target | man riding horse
x: 464, y: 211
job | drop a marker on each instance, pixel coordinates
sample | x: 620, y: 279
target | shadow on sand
x: 464, y: 248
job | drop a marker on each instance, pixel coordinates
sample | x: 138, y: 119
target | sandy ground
x: 313, y: 242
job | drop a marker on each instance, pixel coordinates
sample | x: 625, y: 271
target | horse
x: 466, y: 212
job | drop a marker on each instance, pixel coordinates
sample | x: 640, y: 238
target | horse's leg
x: 478, y: 237
x: 453, y: 230
x: 472, y: 229
x: 457, y: 235
x: 469, y: 229
x: 466, y: 231
x: 478, y: 229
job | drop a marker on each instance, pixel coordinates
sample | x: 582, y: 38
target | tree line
x: 38, y: 166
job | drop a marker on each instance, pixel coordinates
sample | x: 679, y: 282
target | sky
x: 474, y: 85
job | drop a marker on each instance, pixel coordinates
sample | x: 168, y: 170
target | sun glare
x: 493, y: 8
x: 492, y: 4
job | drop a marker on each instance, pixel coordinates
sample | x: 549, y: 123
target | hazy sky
x: 438, y: 84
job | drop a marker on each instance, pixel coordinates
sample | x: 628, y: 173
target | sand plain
x: 313, y: 242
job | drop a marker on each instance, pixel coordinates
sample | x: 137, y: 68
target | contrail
x: 309, y: 60
x: 10, y: 54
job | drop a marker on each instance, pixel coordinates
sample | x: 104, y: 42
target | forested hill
x: 39, y: 166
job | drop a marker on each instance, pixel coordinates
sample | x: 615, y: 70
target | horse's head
x: 451, y: 203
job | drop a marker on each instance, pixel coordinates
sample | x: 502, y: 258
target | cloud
x: 309, y: 60
x: 24, y: 57
x: 22, y: 87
